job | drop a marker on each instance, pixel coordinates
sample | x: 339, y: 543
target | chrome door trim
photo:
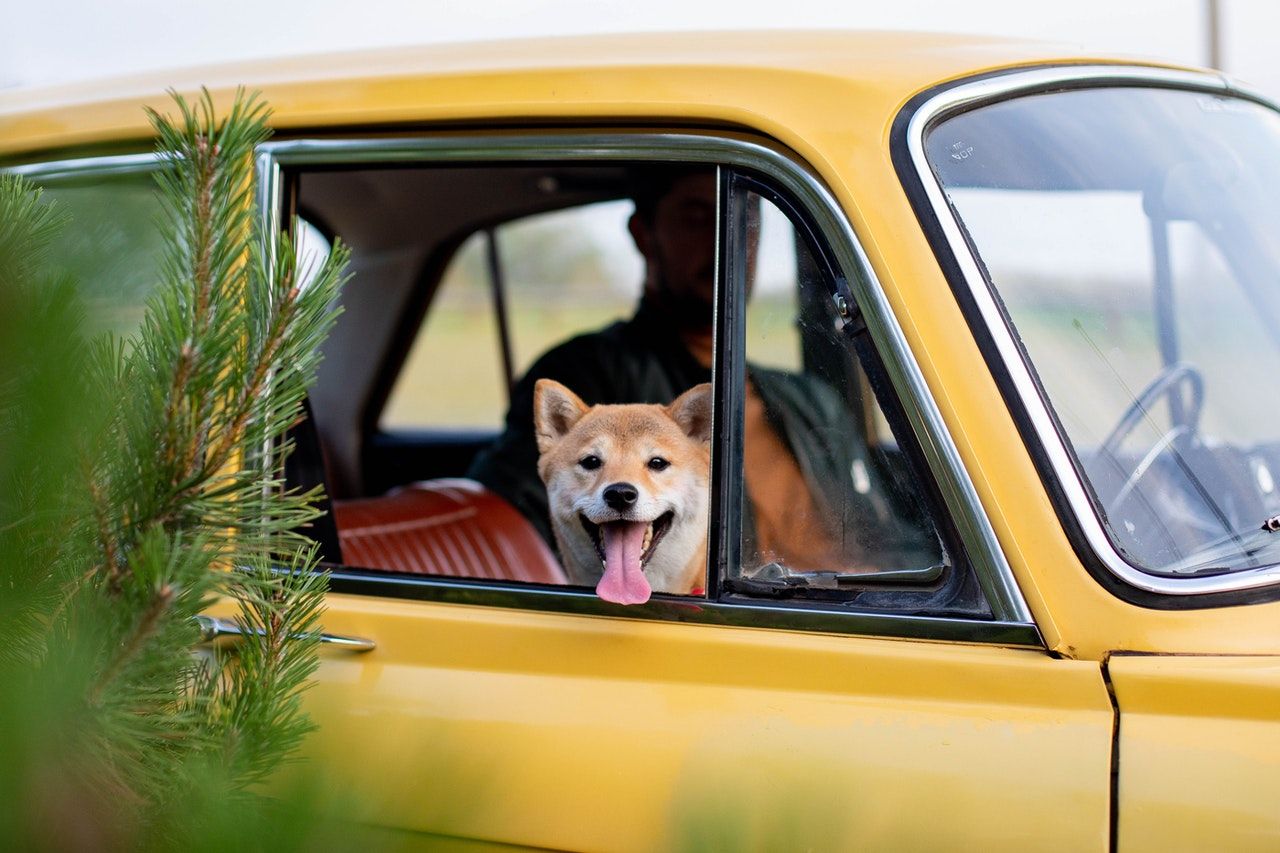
x: 215, y: 631
x: 79, y: 167
x: 819, y: 617
x: 968, y: 96
x: 943, y: 458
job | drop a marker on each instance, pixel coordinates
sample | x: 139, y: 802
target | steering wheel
x: 1166, y: 383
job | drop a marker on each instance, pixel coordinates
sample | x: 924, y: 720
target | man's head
x: 674, y: 227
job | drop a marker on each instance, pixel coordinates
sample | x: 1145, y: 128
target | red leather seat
x: 448, y: 527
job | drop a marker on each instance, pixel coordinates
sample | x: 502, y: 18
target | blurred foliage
x: 140, y: 480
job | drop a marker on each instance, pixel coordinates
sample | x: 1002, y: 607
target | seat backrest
x: 448, y: 527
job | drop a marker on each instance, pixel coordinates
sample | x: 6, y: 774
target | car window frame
x: 1011, y: 624
x: 856, y: 344
x: 1007, y: 359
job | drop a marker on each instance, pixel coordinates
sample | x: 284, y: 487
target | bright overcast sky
x: 65, y: 40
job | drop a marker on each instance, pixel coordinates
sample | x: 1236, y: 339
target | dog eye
x: 657, y: 463
x: 591, y: 463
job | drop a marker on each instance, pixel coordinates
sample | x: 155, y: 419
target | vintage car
x: 1031, y: 286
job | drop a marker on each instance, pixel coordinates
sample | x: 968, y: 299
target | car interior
x: 399, y: 500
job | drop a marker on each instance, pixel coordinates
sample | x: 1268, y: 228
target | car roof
x: 737, y: 78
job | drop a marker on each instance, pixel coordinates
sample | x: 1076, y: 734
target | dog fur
x: 617, y: 475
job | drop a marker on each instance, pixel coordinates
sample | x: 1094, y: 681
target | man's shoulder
x: 604, y: 340
x: 622, y: 348
x: 602, y: 366
x: 630, y: 361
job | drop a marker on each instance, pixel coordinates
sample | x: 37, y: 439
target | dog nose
x: 620, y: 496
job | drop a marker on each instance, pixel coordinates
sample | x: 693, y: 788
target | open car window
x: 448, y: 455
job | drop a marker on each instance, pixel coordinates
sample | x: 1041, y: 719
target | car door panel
x: 583, y: 732
x: 1199, y: 751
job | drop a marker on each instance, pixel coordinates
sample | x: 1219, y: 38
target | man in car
x: 800, y: 445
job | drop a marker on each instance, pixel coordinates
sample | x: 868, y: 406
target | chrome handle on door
x: 223, y: 631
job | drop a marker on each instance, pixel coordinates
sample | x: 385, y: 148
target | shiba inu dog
x: 628, y: 487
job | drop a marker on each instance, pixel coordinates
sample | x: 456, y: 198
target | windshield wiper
x: 1228, y: 549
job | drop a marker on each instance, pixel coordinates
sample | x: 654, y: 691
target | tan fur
x: 625, y: 438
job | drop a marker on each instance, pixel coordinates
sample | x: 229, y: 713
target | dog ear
x: 692, y: 411
x: 555, y: 410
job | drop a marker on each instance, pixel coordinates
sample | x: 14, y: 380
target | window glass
x: 772, y: 320
x: 827, y: 505
x: 1128, y: 233
x: 1076, y: 269
x: 110, y: 246
x: 1218, y: 330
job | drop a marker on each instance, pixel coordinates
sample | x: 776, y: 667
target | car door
x: 901, y: 709
x: 1199, y: 751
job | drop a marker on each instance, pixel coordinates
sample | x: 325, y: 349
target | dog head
x: 628, y: 487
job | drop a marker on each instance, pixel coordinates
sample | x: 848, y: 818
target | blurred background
x: 68, y: 40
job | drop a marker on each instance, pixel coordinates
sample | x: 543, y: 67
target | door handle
x: 217, y: 631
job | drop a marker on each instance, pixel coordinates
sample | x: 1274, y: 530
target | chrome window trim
x: 763, y: 615
x: 80, y: 167
x: 967, y: 96
x: 1012, y: 617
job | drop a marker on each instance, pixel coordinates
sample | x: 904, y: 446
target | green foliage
x: 141, y: 480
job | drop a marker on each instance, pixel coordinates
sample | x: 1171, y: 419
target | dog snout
x: 620, y: 496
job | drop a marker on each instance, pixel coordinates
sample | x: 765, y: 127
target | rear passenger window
x: 110, y: 245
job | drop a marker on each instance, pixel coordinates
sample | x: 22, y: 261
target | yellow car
x: 991, y: 542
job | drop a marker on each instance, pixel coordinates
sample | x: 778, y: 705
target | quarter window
x: 111, y: 245
x: 830, y: 507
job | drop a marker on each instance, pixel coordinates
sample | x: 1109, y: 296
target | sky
x: 60, y: 41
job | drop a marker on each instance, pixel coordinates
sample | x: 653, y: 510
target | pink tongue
x: 624, y: 581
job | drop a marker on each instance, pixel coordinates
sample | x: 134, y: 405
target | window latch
x: 851, y: 320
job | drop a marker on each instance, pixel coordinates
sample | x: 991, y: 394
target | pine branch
x: 257, y: 383
x: 160, y: 603
x: 110, y: 552
x: 171, y: 486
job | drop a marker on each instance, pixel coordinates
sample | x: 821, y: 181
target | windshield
x: 1132, y: 236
